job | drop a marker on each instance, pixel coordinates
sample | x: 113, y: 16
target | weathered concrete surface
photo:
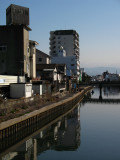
x: 11, y: 122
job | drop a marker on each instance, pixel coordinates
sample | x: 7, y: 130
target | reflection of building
x: 68, y: 136
x: 10, y: 156
x: 62, y: 135
x: 26, y: 151
x: 111, y: 91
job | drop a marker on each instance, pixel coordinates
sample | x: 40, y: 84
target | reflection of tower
x: 68, y: 137
x: 62, y: 135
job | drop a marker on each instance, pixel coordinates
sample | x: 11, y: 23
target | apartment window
x: 28, y: 50
x: 59, y: 42
x: 3, y: 48
x: 27, y: 68
x: 40, y: 59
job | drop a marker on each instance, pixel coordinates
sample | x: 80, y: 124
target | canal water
x: 90, y: 131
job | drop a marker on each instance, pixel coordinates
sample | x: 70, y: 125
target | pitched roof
x: 40, y: 52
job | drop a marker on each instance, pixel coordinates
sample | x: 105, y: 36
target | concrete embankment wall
x: 39, y: 118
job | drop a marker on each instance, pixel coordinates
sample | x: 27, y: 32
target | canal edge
x: 9, y: 123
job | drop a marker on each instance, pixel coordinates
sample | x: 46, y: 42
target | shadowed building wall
x: 17, y: 15
x: 14, y: 52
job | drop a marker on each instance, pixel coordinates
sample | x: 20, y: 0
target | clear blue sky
x: 96, y: 21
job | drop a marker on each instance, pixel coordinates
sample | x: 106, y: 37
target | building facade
x: 69, y: 39
x: 17, y: 52
x: 17, y: 15
x: 64, y: 48
x: 14, y: 50
x: 72, y: 68
x: 32, y: 46
x: 42, y: 58
x: 72, y: 64
x: 51, y: 72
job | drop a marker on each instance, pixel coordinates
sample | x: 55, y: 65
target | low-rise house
x: 47, y: 72
x: 42, y: 58
x: 41, y: 87
x: 54, y: 73
x: 51, y: 72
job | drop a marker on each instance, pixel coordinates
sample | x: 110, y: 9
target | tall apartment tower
x: 69, y: 39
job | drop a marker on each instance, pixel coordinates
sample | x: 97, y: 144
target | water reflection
x: 111, y: 91
x: 64, y: 135
x: 90, y: 131
x: 106, y: 92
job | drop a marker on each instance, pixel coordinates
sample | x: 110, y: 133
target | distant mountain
x: 99, y: 70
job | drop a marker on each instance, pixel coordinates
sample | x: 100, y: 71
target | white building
x: 69, y: 39
x: 72, y: 64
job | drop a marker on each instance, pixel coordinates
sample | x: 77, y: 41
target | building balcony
x: 76, y: 37
x: 76, y: 45
x: 52, y: 47
x: 76, y: 49
x: 52, y: 42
